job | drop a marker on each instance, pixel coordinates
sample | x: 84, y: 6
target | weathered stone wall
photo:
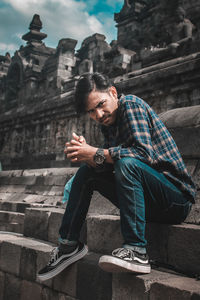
x: 36, y: 137
x: 152, y: 24
x: 167, y: 85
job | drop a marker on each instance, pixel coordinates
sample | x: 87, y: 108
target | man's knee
x: 83, y: 174
x: 126, y: 167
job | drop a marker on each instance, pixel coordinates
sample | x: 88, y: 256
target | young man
x: 139, y: 169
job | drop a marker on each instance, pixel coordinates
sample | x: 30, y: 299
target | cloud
x: 7, y: 47
x: 61, y: 19
x: 113, y: 3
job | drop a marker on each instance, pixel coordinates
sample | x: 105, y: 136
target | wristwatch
x: 99, y: 157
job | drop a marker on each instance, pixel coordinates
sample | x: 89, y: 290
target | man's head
x: 95, y: 95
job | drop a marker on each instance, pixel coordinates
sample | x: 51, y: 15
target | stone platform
x: 30, y: 215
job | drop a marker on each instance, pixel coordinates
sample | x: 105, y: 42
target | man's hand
x: 77, y: 150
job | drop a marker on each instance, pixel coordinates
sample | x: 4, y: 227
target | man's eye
x: 101, y: 103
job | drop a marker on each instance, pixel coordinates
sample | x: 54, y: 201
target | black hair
x: 86, y: 84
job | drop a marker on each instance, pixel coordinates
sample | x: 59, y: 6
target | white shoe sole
x: 115, y: 265
x: 60, y: 268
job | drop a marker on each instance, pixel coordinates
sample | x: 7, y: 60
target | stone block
x: 37, y: 189
x: 11, y: 173
x: 183, y: 248
x: 192, y: 147
x: 2, y: 284
x: 4, y: 196
x: 196, y: 176
x: 157, y: 241
x: 12, y: 288
x: 16, y: 197
x: 50, y: 171
x: 66, y: 281
x: 194, y: 215
x: 21, y: 207
x: 101, y: 205
x: 136, y: 287
x: 30, y: 198
x: 19, y: 189
x: 42, y: 260
x: 36, y: 223
x: 11, y: 217
x: 4, y: 189
x: 92, y: 282
x: 23, y: 180
x: 54, y: 223
x: 10, y: 257
x: 55, y: 180
x: 31, y: 291
x: 11, y: 221
x: 28, y: 264
x: 8, y: 206
x: 49, y: 294
x: 180, y: 288
x: 103, y: 233
x: 65, y: 297
x: 56, y: 191
x: 5, y: 180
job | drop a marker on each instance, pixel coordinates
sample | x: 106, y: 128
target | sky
x: 75, y: 19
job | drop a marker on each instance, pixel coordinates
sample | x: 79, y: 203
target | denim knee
x: 126, y: 167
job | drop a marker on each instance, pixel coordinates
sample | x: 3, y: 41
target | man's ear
x: 113, y: 91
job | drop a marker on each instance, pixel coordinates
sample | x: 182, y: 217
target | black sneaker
x: 60, y: 258
x: 125, y: 260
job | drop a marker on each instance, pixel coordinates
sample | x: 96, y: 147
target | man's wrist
x: 99, y: 157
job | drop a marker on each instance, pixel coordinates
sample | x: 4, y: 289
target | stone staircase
x: 30, y: 215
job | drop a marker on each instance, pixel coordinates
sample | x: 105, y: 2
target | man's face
x: 102, y: 106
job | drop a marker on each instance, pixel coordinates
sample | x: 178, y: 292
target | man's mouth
x: 104, y: 120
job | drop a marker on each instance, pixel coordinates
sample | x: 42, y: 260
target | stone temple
x: 156, y: 56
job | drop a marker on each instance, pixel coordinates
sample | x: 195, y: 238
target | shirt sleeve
x: 137, y: 135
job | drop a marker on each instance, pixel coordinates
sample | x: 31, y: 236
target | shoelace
x: 123, y: 252
x: 53, y: 256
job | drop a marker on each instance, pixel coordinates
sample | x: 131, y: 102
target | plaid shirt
x: 138, y: 132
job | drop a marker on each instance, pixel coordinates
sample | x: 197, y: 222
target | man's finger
x: 81, y: 139
x: 73, y: 148
x: 73, y: 160
x: 72, y: 155
x: 75, y: 136
x: 74, y: 142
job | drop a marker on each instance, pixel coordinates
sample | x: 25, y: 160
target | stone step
x: 173, y: 245
x: 34, y: 186
x: 11, y: 221
x: 21, y: 257
x: 17, y: 206
x: 155, y: 286
x: 47, y: 185
x: 14, y: 206
x: 43, y: 223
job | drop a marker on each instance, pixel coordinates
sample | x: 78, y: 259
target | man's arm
x: 136, y: 134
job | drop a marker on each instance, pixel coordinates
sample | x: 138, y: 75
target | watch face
x: 99, y: 159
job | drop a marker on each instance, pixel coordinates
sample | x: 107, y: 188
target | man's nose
x: 99, y: 114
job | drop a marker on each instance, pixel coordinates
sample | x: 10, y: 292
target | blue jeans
x: 141, y: 193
